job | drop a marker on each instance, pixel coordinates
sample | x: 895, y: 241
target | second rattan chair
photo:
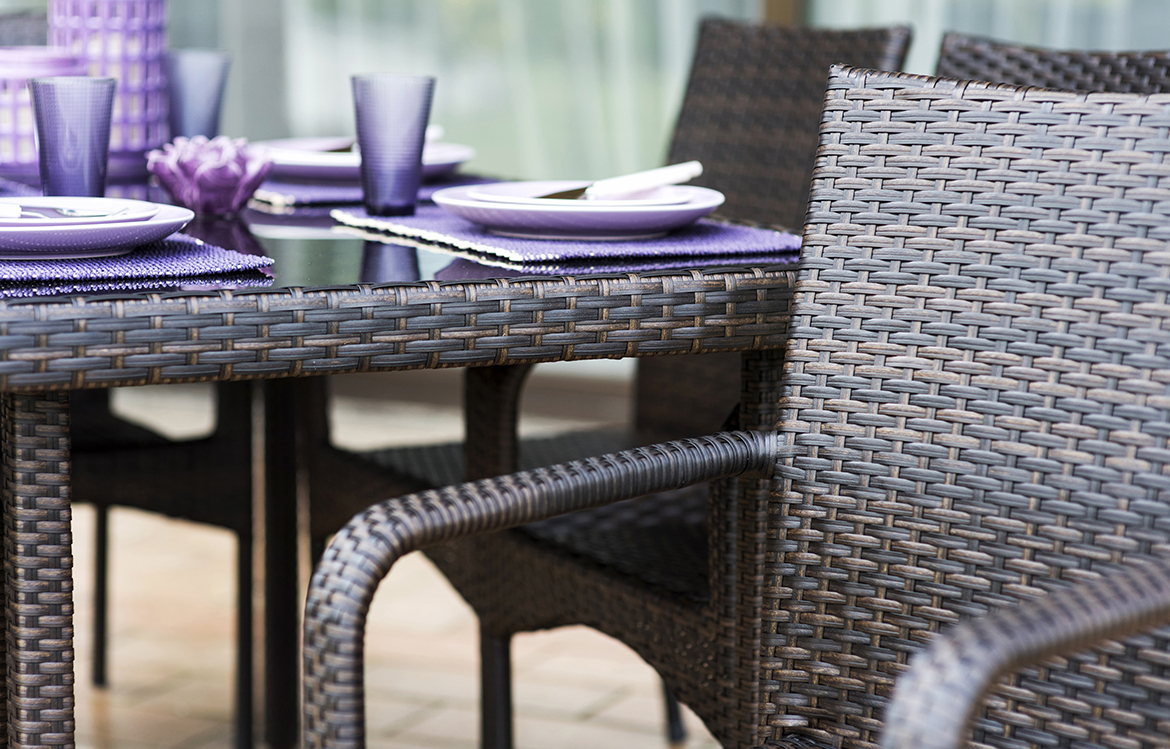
x: 974, y: 414
x: 750, y: 113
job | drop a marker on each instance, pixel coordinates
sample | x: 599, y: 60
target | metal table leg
x: 38, y: 601
x: 281, y: 595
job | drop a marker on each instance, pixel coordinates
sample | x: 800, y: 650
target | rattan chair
x: 974, y: 415
x: 982, y: 59
x: 754, y: 98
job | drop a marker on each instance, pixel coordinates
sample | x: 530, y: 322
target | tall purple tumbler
x: 392, y: 113
x: 73, y: 132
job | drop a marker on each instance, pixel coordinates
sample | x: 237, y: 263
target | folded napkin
x: 277, y: 196
x: 178, y: 260
x: 433, y: 227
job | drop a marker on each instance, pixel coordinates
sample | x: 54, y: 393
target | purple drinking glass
x: 195, y: 82
x: 392, y: 113
x: 73, y: 132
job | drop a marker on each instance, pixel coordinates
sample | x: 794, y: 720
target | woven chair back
x: 753, y: 105
x: 981, y: 59
x: 977, y: 405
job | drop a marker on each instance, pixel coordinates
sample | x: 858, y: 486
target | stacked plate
x: 515, y: 209
x: 48, y: 228
x: 332, y: 159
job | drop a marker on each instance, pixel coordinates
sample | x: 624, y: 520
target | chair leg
x: 495, y: 671
x: 101, y: 575
x: 244, y: 728
x: 676, y: 732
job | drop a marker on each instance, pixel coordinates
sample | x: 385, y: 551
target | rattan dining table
x: 319, y: 317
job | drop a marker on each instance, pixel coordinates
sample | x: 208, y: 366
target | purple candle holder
x: 392, y: 113
x: 73, y: 130
x: 18, y: 149
x: 124, y: 39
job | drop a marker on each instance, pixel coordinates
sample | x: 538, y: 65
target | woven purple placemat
x: 245, y: 279
x: 285, y: 195
x: 174, y: 257
x: 432, y: 226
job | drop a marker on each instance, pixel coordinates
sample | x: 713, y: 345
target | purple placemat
x: 275, y: 194
x: 245, y: 279
x: 178, y: 256
x: 432, y: 226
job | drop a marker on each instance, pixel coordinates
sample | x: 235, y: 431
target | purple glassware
x: 73, y: 130
x: 125, y: 39
x: 392, y: 113
x: 18, y: 149
x: 195, y: 83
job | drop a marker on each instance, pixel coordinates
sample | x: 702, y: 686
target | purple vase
x: 123, y: 39
x: 18, y: 150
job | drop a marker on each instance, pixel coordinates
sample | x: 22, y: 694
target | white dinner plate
x: 90, y: 240
x: 572, y: 219
x: 53, y: 211
x: 319, y: 158
x: 526, y: 193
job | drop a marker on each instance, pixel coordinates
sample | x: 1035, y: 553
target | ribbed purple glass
x: 73, y: 132
x: 392, y: 113
x: 195, y: 82
x: 125, y: 39
x: 18, y: 149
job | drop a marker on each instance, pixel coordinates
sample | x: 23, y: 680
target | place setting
x: 311, y: 176
x: 72, y: 239
x: 650, y: 218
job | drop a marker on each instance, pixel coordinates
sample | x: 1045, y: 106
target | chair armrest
x: 362, y: 553
x: 935, y: 700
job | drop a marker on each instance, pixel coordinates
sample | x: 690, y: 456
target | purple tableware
x: 195, y: 82
x: 211, y: 177
x: 18, y: 148
x: 73, y: 132
x: 125, y: 39
x: 392, y: 113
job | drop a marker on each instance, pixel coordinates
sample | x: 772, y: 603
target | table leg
x: 38, y: 601
x: 491, y: 404
x: 281, y: 593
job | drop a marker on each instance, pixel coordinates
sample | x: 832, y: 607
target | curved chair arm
x: 361, y: 553
x: 935, y: 700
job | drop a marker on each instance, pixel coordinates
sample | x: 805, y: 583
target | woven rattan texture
x: 981, y: 59
x: 38, y: 570
x: 145, y: 339
x: 753, y: 104
x: 933, y: 702
x: 363, y: 552
x: 976, y: 407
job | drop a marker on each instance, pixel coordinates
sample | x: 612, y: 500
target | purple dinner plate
x: 90, y: 240
x: 319, y: 158
x: 577, y: 219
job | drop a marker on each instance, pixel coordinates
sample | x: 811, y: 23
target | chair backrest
x: 977, y: 399
x: 751, y: 114
x: 753, y: 105
x: 981, y: 59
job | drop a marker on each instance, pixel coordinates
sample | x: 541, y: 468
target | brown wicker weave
x: 975, y: 414
x: 53, y: 345
x: 752, y: 107
x: 981, y: 59
x: 751, y: 114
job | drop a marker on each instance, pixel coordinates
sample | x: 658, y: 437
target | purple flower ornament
x: 211, y: 177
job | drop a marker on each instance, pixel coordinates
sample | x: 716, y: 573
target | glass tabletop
x: 311, y: 250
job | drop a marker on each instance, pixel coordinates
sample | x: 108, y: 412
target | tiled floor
x: 172, y: 610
